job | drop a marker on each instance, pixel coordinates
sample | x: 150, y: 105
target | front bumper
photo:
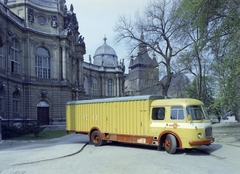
x: 201, y: 142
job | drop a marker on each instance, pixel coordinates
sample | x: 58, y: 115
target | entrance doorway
x: 43, y: 113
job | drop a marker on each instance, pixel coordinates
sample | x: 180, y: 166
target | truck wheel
x: 96, y: 138
x: 170, y: 144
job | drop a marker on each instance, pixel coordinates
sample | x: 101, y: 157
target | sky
x: 97, y: 18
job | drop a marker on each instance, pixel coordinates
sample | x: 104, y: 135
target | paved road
x: 71, y: 154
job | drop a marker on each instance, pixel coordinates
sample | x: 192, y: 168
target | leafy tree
x: 194, y: 60
x: 207, y: 94
x: 218, y: 23
x: 227, y: 70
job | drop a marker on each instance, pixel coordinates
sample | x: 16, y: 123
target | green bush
x: 17, y: 131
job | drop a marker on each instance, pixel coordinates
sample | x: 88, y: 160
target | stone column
x: 117, y: 78
x: 103, y: 86
x: 64, y: 63
x: 80, y: 71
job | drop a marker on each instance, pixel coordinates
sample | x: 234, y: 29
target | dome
x: 105, y: 56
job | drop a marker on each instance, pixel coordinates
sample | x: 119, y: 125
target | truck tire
x: 170, y: 144
x: 96, y: 138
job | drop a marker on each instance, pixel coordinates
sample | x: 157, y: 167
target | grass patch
x: 42, y: 135
x: 231, y: 127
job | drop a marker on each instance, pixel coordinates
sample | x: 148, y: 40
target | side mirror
x: 189, y: 118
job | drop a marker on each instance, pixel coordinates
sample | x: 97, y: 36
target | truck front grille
x: 208, y: 132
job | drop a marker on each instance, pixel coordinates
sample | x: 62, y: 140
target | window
x: 94, y: 86
x: 1, y: 101
x: 2, y: 58
x: 15, y: 57
x: 42, y: 20
x: 2, y: 52
x: 158, y: 113
x: 177, y: 113
x: 15, y: 100
x: 86, y: 87
x: 42, y: 63
x: 196, y: 112
x: 109, y: 87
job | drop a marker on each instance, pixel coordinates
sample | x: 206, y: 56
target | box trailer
x: 150, y: 120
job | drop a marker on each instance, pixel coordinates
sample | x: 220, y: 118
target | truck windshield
x: 196, y: 112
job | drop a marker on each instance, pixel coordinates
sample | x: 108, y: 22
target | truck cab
x: 184, y: 119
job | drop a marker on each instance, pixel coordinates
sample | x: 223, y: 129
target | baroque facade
x: 42, y: 63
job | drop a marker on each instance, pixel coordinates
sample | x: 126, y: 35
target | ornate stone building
x: 42, y: 64
x: 105, y: 76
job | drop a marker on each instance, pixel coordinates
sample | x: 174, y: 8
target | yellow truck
x: 150, y: 120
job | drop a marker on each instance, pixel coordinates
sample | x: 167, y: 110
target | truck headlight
x: 199, y: 136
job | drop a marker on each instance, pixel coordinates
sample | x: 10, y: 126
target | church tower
x: 143, y: 73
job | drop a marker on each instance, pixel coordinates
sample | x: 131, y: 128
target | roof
x: 105, y: 56
x: 116, y: 99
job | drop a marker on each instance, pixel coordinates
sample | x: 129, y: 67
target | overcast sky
x: 97, y: 18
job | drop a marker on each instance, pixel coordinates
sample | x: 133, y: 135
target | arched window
x: 86, y: 86
x: 42, y: 63
x: 15, y: 56
x: 94, y: 87
x: 109, y: 87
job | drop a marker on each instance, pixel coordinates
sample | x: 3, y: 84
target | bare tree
x: 159, y: 26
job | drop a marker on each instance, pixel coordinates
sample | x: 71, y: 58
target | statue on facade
x: 69, y: 28
x: 122, y: 65
x: 54, y: 21
x: 62, y: 4
x: 81, y: 40
x: 43, y: 93
x: 30, y: 15
x: 90, y: 59
x: 65, y: 10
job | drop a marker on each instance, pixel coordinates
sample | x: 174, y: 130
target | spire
x: 71, y: 8
x: 142, y: 48
x: 105, y: 39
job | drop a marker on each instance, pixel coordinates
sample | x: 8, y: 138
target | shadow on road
x: 210, y: 149
x: 179, y: 151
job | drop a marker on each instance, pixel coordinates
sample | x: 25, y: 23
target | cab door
x: 157, y: 120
